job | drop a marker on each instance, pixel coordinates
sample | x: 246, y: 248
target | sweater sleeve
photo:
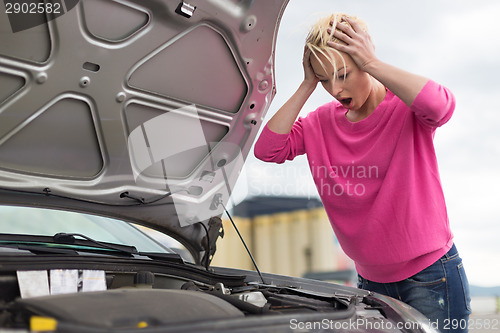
x: 434, y: 105
x: 275, y: 147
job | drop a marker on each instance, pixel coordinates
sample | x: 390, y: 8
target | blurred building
x: 286, y: 235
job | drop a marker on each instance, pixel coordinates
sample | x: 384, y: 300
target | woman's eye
x: 343, y: 76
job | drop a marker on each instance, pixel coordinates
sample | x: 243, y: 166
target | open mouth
x: 346, y: 102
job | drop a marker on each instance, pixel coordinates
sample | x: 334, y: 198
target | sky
x: 453, y: 42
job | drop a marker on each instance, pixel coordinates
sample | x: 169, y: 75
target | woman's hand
x: 282, y: 121
x: 358, y: 43
x: 359, y: 46
x: 310, y: 77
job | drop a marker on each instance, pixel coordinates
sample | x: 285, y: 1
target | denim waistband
x: 452, y: 253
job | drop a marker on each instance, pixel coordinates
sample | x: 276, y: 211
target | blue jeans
x: 440, y: 292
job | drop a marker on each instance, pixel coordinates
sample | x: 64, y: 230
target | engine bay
x: 136, y: 298
x: 149, y: 298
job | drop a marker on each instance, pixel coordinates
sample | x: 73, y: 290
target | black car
x: 121, y: 113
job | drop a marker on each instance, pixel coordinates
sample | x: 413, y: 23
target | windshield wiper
x: 75, y: 242
x: 37, y: 249
x: 70, y: 239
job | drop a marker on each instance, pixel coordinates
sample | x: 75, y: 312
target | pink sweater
x: 378, y: 179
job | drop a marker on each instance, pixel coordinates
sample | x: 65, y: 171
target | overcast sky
x: 454, y: 42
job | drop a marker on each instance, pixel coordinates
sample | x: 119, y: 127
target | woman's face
x: 349, y: 85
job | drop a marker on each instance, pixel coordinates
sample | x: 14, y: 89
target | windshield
x: 48, y: 222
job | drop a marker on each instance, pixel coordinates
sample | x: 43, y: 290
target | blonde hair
x: 318, y: 37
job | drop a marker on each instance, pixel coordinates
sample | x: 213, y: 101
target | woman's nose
x: 336, y: 88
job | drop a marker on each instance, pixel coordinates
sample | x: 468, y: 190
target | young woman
x: 371, y: 155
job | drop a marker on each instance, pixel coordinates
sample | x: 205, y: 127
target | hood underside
x: 140, y: 110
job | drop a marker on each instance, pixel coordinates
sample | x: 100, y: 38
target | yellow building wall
x: 300, y: 251
x: 230, y: 251
x: 281, y: 243
x: 290, y: 243
x: 324, y: 253
x: 262, y: 247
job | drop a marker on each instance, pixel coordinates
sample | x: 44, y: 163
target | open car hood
x: 139, y: 110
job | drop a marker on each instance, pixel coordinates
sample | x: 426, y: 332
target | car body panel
x: 115, y: 105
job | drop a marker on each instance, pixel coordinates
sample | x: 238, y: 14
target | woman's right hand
x: 283, y: 120
x: 310, y: 77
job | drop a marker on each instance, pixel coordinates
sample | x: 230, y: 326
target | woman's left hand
x: 358, y: 43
